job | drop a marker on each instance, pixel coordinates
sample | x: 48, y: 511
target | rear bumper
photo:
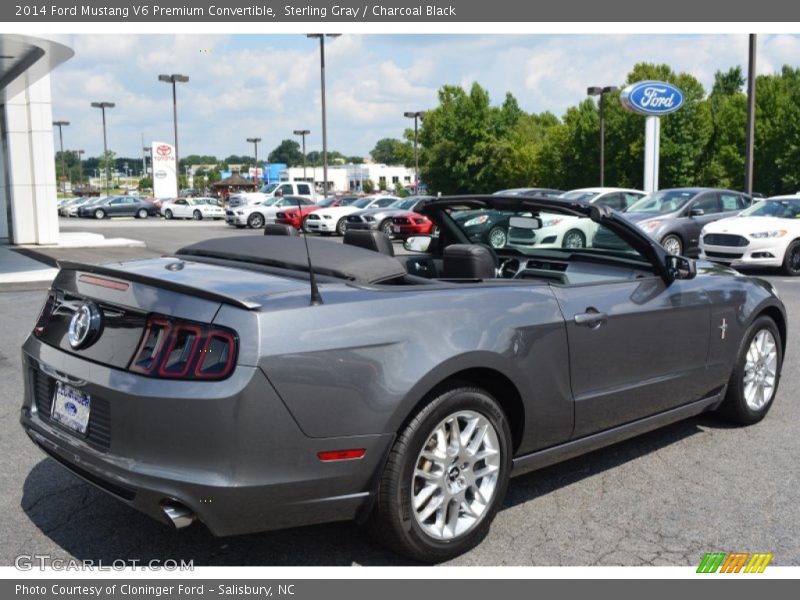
x: 230, y: 452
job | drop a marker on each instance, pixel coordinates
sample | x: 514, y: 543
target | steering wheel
x: 509, y: 268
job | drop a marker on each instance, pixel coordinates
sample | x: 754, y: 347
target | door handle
x: 591, y: 318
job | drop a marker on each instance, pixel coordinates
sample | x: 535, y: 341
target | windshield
x: 271, y: 201
x: 327, y: 202
x: 662, y: 202
x: 404, y: 204
x: 785, y: 208
x: 558, y: 232
x: 363, y: 203
x: 579, y: 195
x: 269, y: 188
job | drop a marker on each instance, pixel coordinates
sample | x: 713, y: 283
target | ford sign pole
x: 652, y: 99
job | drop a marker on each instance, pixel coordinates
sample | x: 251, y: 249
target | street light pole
x: 416, y: 116
x: 61, y: 124
x: 602, y: 91
x: 303, y: 133
x: 751, y: 116
x: 174, y: 79
x: 103, y: 106
x: 79, y: 154
x: 322, y: 37
x: 254, y: 141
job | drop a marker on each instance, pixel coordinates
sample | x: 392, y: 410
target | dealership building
x: 351, y: 178
x: 27, y: 157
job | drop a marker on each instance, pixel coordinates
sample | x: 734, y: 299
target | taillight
x: 44, y: 315
x: 175, y: 349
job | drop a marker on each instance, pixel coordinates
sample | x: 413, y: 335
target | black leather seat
x: 371, y: 240
x: 280, y: 229
x: 469, y: 261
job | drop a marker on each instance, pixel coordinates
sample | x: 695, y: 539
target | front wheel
x: 574, y: 239
x: 673, y: 245
x: 99, y: 214
x: 497, y: 237
x: 197, y: 215
x: 756, y: 374
x: 445, y: 478
x: 387, y: 227
x: 256, y: 221
x: 791, y: 260
x: 304, y: 225
x: 341, y: 226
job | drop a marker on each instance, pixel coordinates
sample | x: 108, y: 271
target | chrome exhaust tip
x: 178, y: 514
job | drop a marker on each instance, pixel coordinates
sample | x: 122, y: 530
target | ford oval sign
x: 652, y: 98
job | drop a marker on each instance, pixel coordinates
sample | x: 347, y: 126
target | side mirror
x: 697, y: 212
x: 418, y: 243
x: 680, y: 267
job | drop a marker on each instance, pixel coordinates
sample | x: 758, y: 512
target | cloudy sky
x: 267, y: 85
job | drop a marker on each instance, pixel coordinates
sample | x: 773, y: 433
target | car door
x: 116, y: 208
x: 637, y: 346
x: 692, y: 222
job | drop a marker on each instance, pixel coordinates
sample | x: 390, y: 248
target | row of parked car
x: 131, y: 206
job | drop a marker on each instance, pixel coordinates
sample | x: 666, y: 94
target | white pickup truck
x: 270, y: 190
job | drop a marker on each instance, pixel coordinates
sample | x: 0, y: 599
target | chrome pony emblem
x: 85, y: 326
x: 723, y: 328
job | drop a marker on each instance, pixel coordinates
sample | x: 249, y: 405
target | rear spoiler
x: 156, y: 282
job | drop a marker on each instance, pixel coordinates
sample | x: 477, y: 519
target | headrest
x: 469, y: 261
x: 371, y: 240
x: 280, y: 229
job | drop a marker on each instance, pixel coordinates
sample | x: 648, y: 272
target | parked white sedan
x: 766, y: 234
x: 334, y: 220
x: 564, y: 231
x: 192, y: 208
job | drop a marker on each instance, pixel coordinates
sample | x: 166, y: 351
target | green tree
x: 391, y: 151
x: 368, y: 186
x: 399, y: 190
x: 287, y: 152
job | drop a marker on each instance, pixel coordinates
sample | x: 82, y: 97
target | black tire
x: 392, y: 521
x: 386, y: 227
x: 304, y: 225
x: 168, y: 214
x: 99, y: 214
x: 142, y: 213
x: 497, y: 237
x: 791, y: 260
x: 197, y: 215
x: 341, y: 226
x: 735, y: 407
x: 256, y: 220
x: 674, y: 242
x: 574, y: 238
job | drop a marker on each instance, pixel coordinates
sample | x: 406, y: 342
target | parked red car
x: 411, y: 223
x: 294, y: 216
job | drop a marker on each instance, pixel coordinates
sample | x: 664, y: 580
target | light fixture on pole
x: 321, y: 37
x: 61, y: 124
x: 303, y: 133
x: 416, y: 116
x: 254, y: 141
x: 103, y: 106
x: 602, y: 91
x: 174, y: 79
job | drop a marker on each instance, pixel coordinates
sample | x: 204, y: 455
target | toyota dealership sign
x: 165, y: 176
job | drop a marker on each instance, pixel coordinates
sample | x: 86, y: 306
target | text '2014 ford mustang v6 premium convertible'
x: 235, y: 384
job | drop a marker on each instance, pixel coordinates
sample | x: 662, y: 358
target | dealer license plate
x: 396, y: 228
x: 71, y: 407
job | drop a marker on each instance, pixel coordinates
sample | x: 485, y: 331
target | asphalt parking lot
x: 665, y: 498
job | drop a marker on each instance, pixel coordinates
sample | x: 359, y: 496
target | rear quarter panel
x: 362, y: 362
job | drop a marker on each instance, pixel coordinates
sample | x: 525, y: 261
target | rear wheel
x: 573, y: 239
x: 445, y: 477
x: 168, y: 214
x: 99, y: 214
x: 256, y: 220
x: 341, y: 226
x: 197, y: 215
x: 673, y: 245
x: 755, y: 376
x: 142, y: 213
x: 791, y: 260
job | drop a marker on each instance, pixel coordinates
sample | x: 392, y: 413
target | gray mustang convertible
x: 259, y: 382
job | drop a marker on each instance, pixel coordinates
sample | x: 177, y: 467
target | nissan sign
x: 652, y: 98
